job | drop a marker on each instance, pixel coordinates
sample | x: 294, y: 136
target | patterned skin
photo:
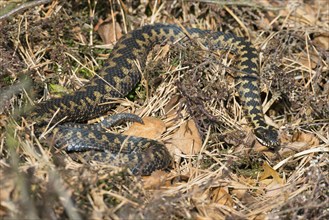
x: 119, y: 76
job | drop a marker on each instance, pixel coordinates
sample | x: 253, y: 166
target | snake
x: 118, y: 76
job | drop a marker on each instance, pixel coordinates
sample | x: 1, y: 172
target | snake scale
x: 118, y: 77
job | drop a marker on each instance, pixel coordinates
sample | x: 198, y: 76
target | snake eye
x: 267, y: 136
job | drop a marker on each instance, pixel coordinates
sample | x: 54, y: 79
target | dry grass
x: 232, y: 176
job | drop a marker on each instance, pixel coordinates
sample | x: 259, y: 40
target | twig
x: 241, y: 3
x: 24, y: 7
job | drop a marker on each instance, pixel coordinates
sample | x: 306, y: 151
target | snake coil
x: 119, y: 76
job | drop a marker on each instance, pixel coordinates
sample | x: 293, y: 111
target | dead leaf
x: 3, y: 120
x: 260, y: 216
x: 307, y: 62
x: 152, y: 128
x: 298, y: 142
x: 291, y: 145
x: 307, y: 14
x: 9, y: 192
x: 264, y: 23
x: 270, y: 172
x: 98, y: 199
x: 322, y: 41
x: 241, y: 187
x: 222, y: 197
x: 187, y: 138
x: 158, y: 178
x: 7, y: 187
x: 274, y: 186
x: 107, y: 31
x: 175, y: 152
x: 308, y: 138
x: 169, y: 108
x: 199, y: 217
x: 163, y: 52
x: 199, y: 195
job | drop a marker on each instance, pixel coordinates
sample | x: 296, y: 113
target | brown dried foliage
x: 230, y: 175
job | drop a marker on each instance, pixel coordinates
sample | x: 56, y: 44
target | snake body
x: 120, y: 75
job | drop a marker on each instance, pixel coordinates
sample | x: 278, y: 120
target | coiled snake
x: 119, y: 76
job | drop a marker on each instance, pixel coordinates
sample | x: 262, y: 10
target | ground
x: 188, y: 101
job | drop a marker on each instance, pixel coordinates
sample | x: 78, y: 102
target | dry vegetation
x: 59, y: 46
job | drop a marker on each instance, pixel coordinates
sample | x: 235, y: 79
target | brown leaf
x: 169, y: 108
x: 98, y: 203
x: 270, y: 172
x: 305, y: 61
x: 187, y: 138
x: 291, y: 144
x: 9, y: 192
x: 272, y: 187
x: 322, y: 41
x: 107, y: 31
x: 199, y: 195
x: 158, y: 178
x: 222, y: 197
x: 152, y: 128
x: 3, y: 120
x: 307, y: 138
x: 306, y: 14
x: 163, y: 52
x: 240, y: 187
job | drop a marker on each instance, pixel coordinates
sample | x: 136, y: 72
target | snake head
x: 267, y: 136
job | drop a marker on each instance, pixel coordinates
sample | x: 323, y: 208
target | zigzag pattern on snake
x: 119, y: 76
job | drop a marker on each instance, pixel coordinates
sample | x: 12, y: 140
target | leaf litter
x: 188, y: 102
